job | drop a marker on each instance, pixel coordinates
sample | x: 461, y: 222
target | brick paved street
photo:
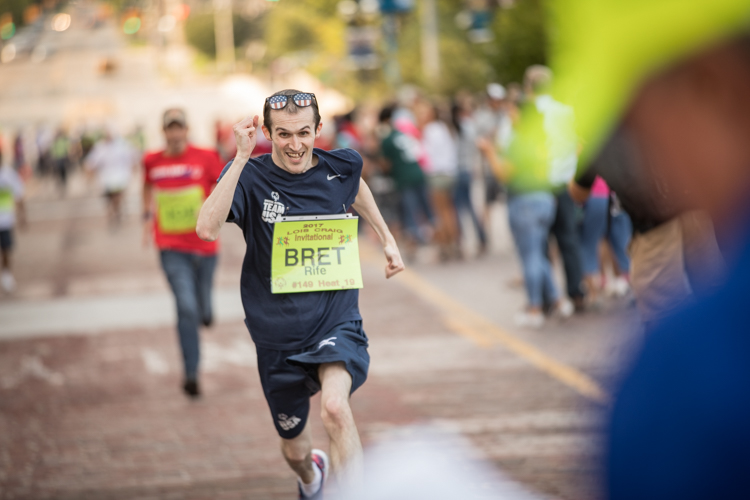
x: 90, y: 409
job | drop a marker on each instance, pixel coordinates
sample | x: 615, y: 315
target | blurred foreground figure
x: 113, y: 159
x: 426, y: 462
x: 310, y: 340
x: 175, y: 183
x: 669, y: 81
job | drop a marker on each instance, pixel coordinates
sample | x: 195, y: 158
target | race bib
x: 316, y: 253
x: 7, y: 203
x: 178, y: 209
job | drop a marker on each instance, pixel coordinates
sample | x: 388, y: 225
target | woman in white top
x: 113, y: 159
x: 440, y: 145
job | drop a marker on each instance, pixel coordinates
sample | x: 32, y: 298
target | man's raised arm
x: 215, y: 209
x: 365, y: 206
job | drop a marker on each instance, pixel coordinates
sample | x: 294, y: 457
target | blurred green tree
x: 520, y: 40
x: 199, y: 31
x: 308, y: 32
x: 16, y: 9
x: 311, y: 34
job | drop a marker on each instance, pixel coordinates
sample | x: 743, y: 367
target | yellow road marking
x: 483, y: 332
x: 468, y: 332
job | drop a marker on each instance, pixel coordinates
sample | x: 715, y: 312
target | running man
x: 310, y: 341
x: 176, y: 181
x: 113, y: 159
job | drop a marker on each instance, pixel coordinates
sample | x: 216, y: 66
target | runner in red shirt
x: 176, y: 181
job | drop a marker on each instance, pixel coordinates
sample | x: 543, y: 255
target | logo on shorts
x: 288, y: 423
x: 272, y: 208
x: 326, y: 342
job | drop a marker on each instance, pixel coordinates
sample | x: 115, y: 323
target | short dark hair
x: 291, y: 107
x: 386, y: 114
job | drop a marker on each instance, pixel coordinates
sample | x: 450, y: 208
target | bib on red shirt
x: 181, y: 184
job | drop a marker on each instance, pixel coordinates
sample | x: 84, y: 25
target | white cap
x: 496, y: 91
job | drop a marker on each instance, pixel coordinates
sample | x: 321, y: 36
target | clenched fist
x: 245, y: 135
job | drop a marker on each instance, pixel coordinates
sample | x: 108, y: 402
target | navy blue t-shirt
x: 290, y: 321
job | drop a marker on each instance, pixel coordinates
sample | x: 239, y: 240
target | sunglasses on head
x: 302, y: 100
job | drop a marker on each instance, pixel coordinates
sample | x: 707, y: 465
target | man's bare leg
x: 346, y: 448
x: 5, y: 259
x: 298, y: 454
x: 115, y: 208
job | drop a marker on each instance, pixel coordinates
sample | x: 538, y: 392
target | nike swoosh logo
x: 333, y: 176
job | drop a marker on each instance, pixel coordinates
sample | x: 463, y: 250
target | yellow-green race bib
x: 178, y: 209
x: 315, y: 253
x: 7, y: 202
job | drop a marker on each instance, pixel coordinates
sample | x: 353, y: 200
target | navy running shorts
x: 290, y: 378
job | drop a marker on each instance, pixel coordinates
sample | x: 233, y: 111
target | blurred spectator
x: 401, y: 153
x: 619, y: 233
x: 532, y: 159
x: 11, y: 211
x: 59, y: 153
x: 375, y: 174
x: 44, y: 138
x: 347, y: 135
x: 672, y: 251
x: 531, y: 212
x: 602, y: 216
x: 113, y: 159
x: 225, y: 144
x: 493, y: 124
x: 468, y: 161
x: 514, y: 99
x: 558, y: 120
x: 19, y: 157
x: 406, y: 99
x: 89, y: 137
x: 439, y: 143
x: 137, y: 138
x: 408, y: 127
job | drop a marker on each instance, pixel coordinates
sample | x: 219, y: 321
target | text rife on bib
x: 313, y: 254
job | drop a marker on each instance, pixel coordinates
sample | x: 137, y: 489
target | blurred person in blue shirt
x: 679, y: 427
